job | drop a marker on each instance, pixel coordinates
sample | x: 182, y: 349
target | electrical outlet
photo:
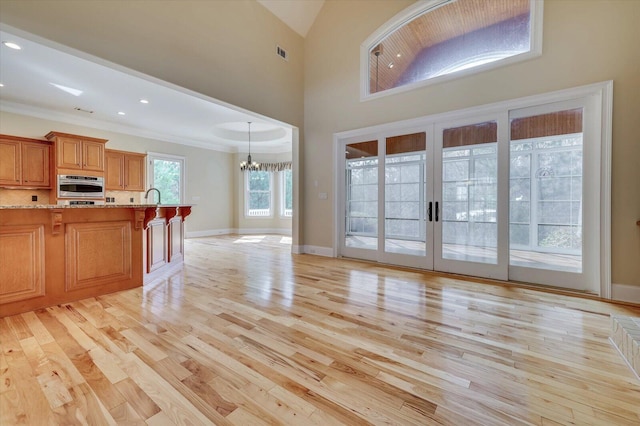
x: 131, y: 200
x: 34, y: 198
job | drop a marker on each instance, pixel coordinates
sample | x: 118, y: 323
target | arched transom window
x: 438, y: 39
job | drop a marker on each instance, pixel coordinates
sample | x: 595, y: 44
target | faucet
x: 146, y: 194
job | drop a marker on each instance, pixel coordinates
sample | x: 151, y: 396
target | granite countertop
x: 103, y: 206
x: 56, y: 206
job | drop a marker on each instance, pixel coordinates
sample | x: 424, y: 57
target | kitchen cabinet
x: 75, y: 152
x: 124, y: 171
x: 24, y: 162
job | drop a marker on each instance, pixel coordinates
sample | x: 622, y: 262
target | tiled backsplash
x: 22, y: 197
x: 124, y: 197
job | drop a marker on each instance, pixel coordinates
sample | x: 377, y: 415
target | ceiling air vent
x: 282, y: 53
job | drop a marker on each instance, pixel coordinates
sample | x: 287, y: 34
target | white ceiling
x: 173, y: 114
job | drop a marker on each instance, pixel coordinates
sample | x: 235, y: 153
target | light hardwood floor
x: 248, y: 334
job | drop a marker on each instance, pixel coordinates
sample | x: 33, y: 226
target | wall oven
x: 83, y: 187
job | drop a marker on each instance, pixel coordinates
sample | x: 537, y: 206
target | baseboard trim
x: 319, y: 251
x: 625, y: 292
x: 254, y: 231
x: 297, y: 249
x: 208, y: 233
x: 243, y: 231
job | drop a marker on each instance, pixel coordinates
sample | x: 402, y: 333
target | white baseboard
x: 208, y: 233
x: 254, y: 231
x: 297, y: 249
x: 319, y: 251
x: 243, y: 231
x: 625, y: 292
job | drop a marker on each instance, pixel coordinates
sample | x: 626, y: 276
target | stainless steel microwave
x: 72, y: 186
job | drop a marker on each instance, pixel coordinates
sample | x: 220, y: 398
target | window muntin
x: 439, y: 38
x: 258, y: 193
x: 286, y: 193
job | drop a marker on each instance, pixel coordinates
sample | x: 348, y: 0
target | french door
x: 510, y: 194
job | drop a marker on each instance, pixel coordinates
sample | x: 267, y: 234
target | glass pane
x: 546, y: 192
x: 469, y: 197
x: 288, y: 192
x: 166, y: 178
x: 361, y: 191
x: 405, y: 180
x: 456, y: 36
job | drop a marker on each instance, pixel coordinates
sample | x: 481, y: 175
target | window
x: 258, y: 194
x: 286, y: 191
x: 166, y: 173
x: 436, y: 39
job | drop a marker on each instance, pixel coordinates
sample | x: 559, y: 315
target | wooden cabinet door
x: 10, y: 163
x: 114, y: 170
x: 35, y: 165
x: 134, y: 172
x: 69, y: 153
x: 93, y: 156
x: 156, y: 245
x: 176, y: 239
x: 22, y: 255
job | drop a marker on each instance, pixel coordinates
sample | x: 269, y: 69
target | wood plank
x: 315, y: 341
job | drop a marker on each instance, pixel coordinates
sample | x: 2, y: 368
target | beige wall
x: 209, y: 173
x: 584, y: 42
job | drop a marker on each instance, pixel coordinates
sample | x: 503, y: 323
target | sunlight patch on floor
x: 285, y: 240
x: 250, y: 239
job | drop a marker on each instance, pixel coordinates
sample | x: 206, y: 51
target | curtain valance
x: 271, y: 167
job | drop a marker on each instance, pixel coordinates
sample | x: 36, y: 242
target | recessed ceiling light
x: 398, y: 55
x: 121, y: 113
x: 390, y: 64
x: 12, y: 45
x: 144, y: 101
x: 1, y: 85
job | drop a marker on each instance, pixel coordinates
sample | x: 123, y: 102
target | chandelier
x: 249, y: 165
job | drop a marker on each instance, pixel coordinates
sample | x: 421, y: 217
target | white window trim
x: 246, y: 197
x: 602, y: 93
x: 283, y: 195
x: 162, y: 156
x: 420, y: 7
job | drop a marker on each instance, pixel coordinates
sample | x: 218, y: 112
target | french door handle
x: 429, y: 211
x: 436, y: 211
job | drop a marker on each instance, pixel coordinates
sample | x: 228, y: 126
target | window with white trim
x: 258, y: 194
x: 286, y: 193
x: 166, y: 173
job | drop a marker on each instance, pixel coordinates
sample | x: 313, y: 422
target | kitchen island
x: 51, y: 254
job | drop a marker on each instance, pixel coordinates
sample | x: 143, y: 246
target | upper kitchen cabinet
x: 24, y: 162
x: 124, y: 171
x: 75, y: 152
